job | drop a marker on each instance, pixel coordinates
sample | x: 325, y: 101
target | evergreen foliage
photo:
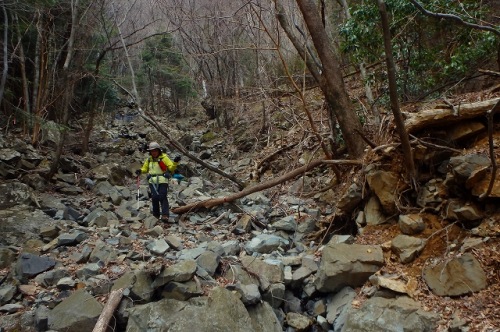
x: 427, y: 51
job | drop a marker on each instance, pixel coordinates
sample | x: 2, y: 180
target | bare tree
x: 67, y: 82
x: 393, y: 93
x: 331, y: 81
x: 5, y: 58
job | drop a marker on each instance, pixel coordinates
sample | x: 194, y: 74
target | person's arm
x: 145, y: 167
x: 170, y: 164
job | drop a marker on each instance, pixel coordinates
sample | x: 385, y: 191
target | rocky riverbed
x: 248, y: 265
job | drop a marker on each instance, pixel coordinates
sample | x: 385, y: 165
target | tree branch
x: 107, y: 312
x: 455, y: 18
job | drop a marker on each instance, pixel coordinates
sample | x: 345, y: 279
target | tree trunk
x: 93, y: 106
x: 22, y: 64
x: 68, y: 83
x: 4, y: 51
x: 393, y: 93
x: 331, y: 83
x: 306, y: 56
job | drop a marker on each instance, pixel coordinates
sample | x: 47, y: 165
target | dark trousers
x: 159, y: 199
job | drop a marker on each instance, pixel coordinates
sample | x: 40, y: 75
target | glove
x: 138, y: 172
x: 177, y: 159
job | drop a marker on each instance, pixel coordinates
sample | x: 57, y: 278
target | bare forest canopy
x: 64, y: 63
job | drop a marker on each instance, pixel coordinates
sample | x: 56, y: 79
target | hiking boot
x: 164, y: 218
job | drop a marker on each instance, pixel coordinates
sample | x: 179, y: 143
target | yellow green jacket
x: 152, y: 167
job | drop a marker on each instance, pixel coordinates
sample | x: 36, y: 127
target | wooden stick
x: 107, y: 312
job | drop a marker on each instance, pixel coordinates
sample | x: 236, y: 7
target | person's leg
x: 155, y: 200
x: 163, y: 199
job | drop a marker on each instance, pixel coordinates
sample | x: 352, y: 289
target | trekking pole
x: 138, y: 191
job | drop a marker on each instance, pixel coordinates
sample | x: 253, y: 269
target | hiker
x: 159, y: 168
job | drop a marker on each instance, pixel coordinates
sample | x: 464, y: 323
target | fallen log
x: 446, y: 115
x: 107, y: 312
x: 209, y: 203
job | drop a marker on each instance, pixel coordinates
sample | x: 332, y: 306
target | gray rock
x: 211, y: 314
x: 11, y: 308
x: 181, y: 291
x: 411, y: 224
x: 390, y: 315
x: 339, y: 306
x: 373, y: 212
x: 7, y: 257
x: 66, y: 283
x: 291, y: 302
x: 463, y: 166
x: 88, y: 270
x: 347, y: 265
x: 7, y: 292
x: 51, y: 278
x: 78, y: 313
x: 347, y: 239
x: 29, y: 265
x: 407, y: 247
x: 158, y: 247
x: 231, y: 248
x: 249, y: 294
x: 271, y: 270
x: 351, y: 199
x: 182, y: 271
x: 21, y: 223
x: 459, y: 276
x: 265, y: 243
x: 139, y: 283
x: 263, y: 318
x: 209, y: 261
x: 287, y: 224
x: 71, y: 239
x: 15, y: 193
x: 103, y: 253
x: 297, y: 321
x: 274, y: 295
x: 431, y: 194
x: 174, y: 241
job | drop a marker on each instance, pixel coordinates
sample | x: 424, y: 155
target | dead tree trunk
x: 107, y: 312
x: 261, y: 186
x: 332, y: 83
x: 393, y: 93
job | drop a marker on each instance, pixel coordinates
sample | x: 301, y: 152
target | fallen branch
x: 107, y: 312
x: 209, y: 203
x: 440, y: 116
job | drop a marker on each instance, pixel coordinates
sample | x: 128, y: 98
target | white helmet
x: 154, y: 146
